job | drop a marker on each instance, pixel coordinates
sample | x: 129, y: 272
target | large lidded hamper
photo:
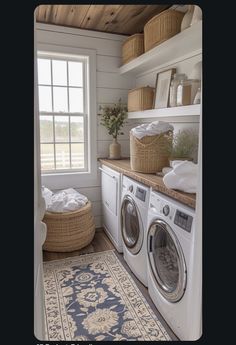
x: 162, y: 27
x: 132, y: 48
x: 140, y: 98
x: 69, y: 231
x: 151, y: 153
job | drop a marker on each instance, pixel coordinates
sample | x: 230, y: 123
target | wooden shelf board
x: 188, y: 110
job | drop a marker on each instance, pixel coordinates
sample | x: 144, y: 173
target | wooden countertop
x: 152, y: 180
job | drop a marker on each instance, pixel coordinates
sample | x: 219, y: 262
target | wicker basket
x: 162, y: 27
x: 140, y: 98
x: 151, y: 153
x: 132, y: 48
x: 69, y: 231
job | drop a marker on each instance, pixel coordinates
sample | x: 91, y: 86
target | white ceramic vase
x: 197, y: 15
x: 186, y: 22
x: 114, y: 149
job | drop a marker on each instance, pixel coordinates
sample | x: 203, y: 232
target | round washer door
x: 131, y: 226
x: 167, y: 261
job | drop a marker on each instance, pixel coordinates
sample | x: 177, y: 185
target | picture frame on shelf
x: 162, y: 88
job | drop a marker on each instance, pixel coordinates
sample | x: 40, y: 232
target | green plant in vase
x: 113, y: 118
x: 185, y: 145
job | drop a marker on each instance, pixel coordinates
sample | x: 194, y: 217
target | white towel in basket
x: 65, y: 200
x: 153, y: 128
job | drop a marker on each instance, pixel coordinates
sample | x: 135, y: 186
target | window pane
x: 44, y: 71
x: 47, y: 157
x: 76, y: 100
x: 77, y: 128
x: 60, y: 102
x: 45, y: 98
x: 61, y: 128
x: 59, y: 73
x: 77, y: 156
x: 62, y: 156
x: 46, y: 129
x: 75, y: 73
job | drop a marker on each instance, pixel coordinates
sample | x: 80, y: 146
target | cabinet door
x: 109, y: 191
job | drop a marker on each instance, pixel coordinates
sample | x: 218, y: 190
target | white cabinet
x: 111, y: 186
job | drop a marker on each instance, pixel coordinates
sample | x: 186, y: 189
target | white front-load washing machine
x: 134, y: 209
x: 171, y: 226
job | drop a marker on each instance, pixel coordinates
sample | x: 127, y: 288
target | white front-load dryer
x: 171, y: 226
x: 134, y: 209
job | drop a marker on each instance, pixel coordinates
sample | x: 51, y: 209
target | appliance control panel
x: 183, y: 220
x: 140, y: 193
x: 131, y: 188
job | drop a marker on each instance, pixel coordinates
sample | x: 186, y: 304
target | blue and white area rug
x: 93, y: 297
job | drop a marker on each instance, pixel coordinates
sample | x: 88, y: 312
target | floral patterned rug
x: 93, y: 297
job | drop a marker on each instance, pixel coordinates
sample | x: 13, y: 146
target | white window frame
x: 84, y: 115
x: 71, y: 178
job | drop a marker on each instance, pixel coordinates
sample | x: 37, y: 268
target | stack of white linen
x: 153, y: 128
x: 63, y: 201
x: 183, y: 176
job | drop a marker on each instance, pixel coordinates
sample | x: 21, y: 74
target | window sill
x: 70, y: 180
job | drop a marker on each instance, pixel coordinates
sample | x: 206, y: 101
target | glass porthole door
x: 167, y: 261
x: 131, y: 226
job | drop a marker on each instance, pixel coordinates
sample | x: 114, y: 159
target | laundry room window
x: 63, y: 111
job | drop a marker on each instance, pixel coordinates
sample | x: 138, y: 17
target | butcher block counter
x: 152, y: 180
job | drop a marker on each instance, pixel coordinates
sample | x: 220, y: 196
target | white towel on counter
x: 183, y: 176
x: 153, y: 128
x: 64, y: 201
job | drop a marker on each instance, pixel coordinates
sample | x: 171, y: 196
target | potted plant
x: 184, y: 146
x: 113, y: 118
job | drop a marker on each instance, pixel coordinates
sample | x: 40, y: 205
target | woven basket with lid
x: 132, y: 47
x: 162, y: 27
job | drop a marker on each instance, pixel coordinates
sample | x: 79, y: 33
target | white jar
x: 197, y: 98
x: 184, y: 93
x: 178, y: 77
x: 195, y: 84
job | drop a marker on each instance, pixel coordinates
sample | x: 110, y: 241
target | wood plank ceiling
x: 119, y: 19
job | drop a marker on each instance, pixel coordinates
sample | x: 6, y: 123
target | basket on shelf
x: 132, y: 47
x: 162, y: 27
x: 69, y: 231
x: 140, y: 98
x: 151, y: 153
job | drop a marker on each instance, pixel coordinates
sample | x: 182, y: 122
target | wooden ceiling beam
x: 119, y: 23
x: 77, y: 15
x: 43, y: 13
x: 119, y: 19
x: 110, y: 13
x: 137, y: 22
x: 93, y: 16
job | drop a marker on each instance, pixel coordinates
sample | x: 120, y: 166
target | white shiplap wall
x: 110, y: 87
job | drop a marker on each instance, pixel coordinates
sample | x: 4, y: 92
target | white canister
x: 186, y: 21
x: 197, y: 15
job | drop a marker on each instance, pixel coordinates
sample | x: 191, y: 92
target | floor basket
x: 151, y: 153
x: 69, y: 231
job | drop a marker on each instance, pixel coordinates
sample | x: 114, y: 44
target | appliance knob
x: 166, y: 210
x: 131, y: 188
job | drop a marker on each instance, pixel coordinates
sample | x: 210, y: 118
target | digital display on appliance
x: 183, y: 220
x: 140, y: 194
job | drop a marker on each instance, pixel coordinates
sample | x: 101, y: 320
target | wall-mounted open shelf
x: 183, y: 45
x: 187, y: 110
